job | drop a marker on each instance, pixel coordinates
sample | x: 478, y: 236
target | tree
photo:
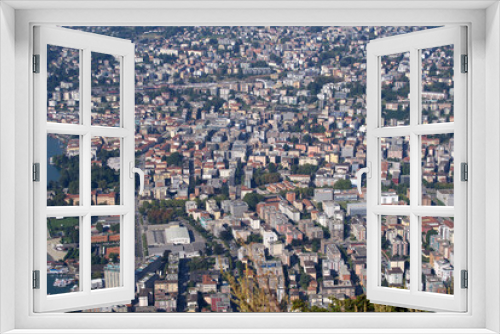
x: 239, y: 267
x: 200, y: 263
x: 252, y: 199
x: 317, y: 84
x: 307, y: 139
x: 248, y: 296
x: 73, y: 187
x: 226, y: 235
x: 358, y: 304
x: 278, y: 60
x: 113, y: 257
x: 218, y: 249
x: 315, y: 245
x: 272, y: 168
x: 174, y: 159
x: 262, y: 178
x: 304, y: 280
x: 260, y: 63
x: 115, y: 228
x: 306, y: 169
x: 343, y: 185
x: 99, y: 227
x: 224, y: 190
x: 239, y: 174
x: 257, y: 238
x: 317, y: 129
x: 215, y: 102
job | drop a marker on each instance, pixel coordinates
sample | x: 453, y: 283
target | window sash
x: 413, y: 43
x: 86, y: 43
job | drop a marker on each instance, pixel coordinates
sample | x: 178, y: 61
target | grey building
x: 238, y: 208
x: 446, y: 196
x: 321, y: 195
x: 248, y: 176
x: 112, y: 276
x: 356, y: 209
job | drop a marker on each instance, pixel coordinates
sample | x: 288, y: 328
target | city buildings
x: 250, y: 138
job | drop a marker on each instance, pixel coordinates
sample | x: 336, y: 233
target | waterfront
x: 54, y: 290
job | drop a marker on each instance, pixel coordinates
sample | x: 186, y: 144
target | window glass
x: 106, y: 164
x: 63, y: 255
x: 437, y: 169
x: 63, y: 170
x: 437, y: 254
x: 395, y: 171
x: 105, y: 250
x: 395, y: 244
x: 63, y: 85
x: 437, y: 84
x: 395, y: 89
x: 105, y: 103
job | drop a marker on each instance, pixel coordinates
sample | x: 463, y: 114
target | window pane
x: 106, y: 162
x: 395, y: 170
x: 105, y: 89
x: 437, y: 170
x: 437, y: 84
x: 63, y: 85
x: 63, y: 255
x: 63, y: 170
x: 395, y: 244
x: 105, y: 251
x: 395, y: 89
x: 437, y: 254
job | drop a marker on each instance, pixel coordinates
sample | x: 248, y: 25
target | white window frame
x: 86, y: 43
x: 413, y: 43
x: 16, y: 294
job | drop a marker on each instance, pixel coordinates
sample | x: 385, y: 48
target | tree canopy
x: 252, y: 199
x: 343, y: 185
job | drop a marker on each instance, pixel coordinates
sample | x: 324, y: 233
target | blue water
x: 54, y: 147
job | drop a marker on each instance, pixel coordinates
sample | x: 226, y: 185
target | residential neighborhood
x: 250, y: 139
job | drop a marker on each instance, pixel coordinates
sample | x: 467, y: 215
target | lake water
x: 54, y: 147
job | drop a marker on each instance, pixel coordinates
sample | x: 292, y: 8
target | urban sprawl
x: 250, y: 138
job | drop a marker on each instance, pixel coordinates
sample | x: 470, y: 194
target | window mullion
x: 85, y: 262
x: 109, y: 210
x: 85, y: 161
x: 392, y: 210
x: 395, y: 131
x: 86, y: 119
x: 66, y: 129
x: 432, y: 129
x: 415, y: 156
x: 100, y: 131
